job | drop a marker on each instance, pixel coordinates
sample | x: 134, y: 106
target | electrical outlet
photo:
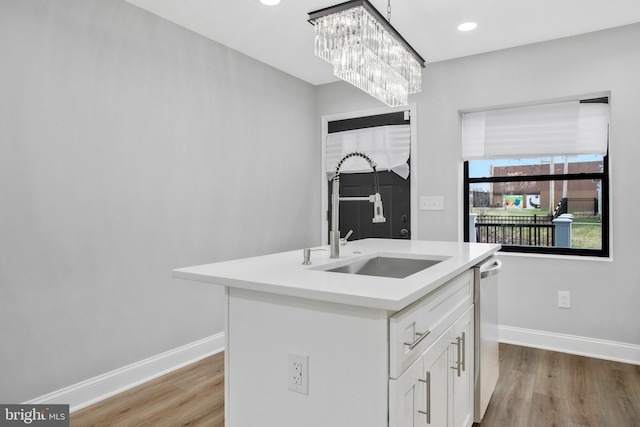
x: 431, y: 203
x: 564, y: 299
x: 298, y: 373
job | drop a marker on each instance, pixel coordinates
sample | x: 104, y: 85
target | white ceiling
x: 281, y: 36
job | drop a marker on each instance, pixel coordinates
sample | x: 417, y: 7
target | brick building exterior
x: 536, y: 194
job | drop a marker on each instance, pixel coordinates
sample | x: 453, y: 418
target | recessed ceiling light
x: 270, y: 2
x: 467, y: 26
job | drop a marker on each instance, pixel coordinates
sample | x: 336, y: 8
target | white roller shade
x: 388, y: 146
x: 564, y: 128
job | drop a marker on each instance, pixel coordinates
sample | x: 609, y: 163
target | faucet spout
x: 378, y: 215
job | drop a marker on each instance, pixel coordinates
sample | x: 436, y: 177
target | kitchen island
x: 308, y: 346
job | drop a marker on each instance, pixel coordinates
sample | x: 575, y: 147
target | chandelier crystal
x: 366, y: 51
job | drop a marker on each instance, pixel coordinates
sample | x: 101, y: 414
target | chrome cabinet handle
x: 464, y: 351
x: 458, y: 363
x: 461, y: 363
x: 427, y: 394
x: 421, y: 336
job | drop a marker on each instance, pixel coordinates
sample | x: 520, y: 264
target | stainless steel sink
x: 382, y: 266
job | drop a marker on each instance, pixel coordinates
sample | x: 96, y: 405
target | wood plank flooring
x: 537, y: 388
x: 191, y: 396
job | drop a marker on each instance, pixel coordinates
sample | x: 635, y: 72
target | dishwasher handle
x: 490, y: 268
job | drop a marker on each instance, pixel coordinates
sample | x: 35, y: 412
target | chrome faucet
x: 378, y: 216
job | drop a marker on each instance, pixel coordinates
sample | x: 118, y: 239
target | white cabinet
x: 435, y: 379
x: 437, y: 390
x: 407, y: 397
x: 366, y: 367
x: 413, y: 329
x: 462, y: 384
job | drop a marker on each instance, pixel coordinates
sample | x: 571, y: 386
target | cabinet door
x: 406, y: 397
x: 462, y: 370
x: 437, y: 389
x: 436, y: 361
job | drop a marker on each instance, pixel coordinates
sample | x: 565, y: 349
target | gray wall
x: 604, y: 295
x: 128, y: 147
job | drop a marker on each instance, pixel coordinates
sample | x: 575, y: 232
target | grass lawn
x: 509, y: 212
x: 586, y: 236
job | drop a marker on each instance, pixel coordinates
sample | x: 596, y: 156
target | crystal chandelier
x: 366, y: 51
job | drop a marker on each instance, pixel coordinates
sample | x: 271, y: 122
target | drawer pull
x: 418, y: 340
x: 427, y: 382
x: 458, y: 362
x: 461, y: 343
x: 464, y: 351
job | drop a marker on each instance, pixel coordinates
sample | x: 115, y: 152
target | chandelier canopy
x: 366, y: 51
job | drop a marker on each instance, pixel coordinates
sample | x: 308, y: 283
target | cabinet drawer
x: 431, y: 315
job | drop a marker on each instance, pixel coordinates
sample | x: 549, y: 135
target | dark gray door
x: 396, y: 201
x: 395, y: 191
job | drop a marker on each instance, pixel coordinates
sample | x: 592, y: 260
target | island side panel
x: 347, y: 349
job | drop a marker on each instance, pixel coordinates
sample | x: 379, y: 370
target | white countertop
x: 284, y: 274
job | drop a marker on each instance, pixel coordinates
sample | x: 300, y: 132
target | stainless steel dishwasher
x: 486, y: 333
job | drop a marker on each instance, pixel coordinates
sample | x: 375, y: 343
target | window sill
x: 557, y: 257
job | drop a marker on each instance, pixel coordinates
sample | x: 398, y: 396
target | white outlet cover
x: 564, y: 299
x: 298, y: 373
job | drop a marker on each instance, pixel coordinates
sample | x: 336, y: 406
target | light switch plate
x: 431, y: 203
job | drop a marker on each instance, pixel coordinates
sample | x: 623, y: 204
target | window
x: 537, y: 178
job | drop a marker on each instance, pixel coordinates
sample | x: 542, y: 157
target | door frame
x: 413, y: 160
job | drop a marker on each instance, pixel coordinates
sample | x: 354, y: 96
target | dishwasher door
x: 486, y: 333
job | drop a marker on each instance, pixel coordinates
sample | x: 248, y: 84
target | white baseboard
x: 93, y: 390
x: 583, y: 346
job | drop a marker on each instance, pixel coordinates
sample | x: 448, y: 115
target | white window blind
x: 563, y: 128
x: 388, y: 146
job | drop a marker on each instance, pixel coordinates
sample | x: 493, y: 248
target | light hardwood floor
x: 191, y: 396
x: 537, y: 388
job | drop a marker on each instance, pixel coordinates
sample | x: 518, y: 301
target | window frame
x: 603, y: 176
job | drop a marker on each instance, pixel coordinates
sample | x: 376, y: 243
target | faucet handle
x: 343, y: 241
